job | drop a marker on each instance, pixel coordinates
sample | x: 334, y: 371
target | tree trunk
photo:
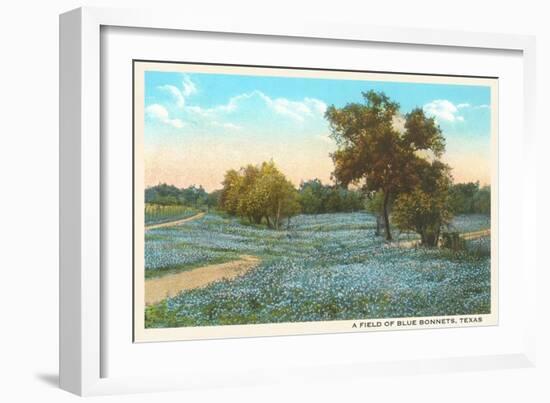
x: 277, y: 220
x: 430, y: 237
x: 387, y: 216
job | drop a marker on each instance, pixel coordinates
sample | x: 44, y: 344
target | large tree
x: 374, y: 151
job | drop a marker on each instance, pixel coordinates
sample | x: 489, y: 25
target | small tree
x: 426, y: 210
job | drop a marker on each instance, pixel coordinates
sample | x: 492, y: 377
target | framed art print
x: 243, y: 203
x: 276, y: 201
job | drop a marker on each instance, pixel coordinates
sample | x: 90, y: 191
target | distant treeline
x: 263, y: 194
x: 192, y: 196
x: 470, y: 198
x: 316, y: 198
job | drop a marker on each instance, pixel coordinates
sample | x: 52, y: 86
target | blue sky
x: 198, y: 125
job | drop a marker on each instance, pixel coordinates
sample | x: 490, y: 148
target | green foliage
x: 230, y: 193
x: 311, y: 196
x: 259, y: 193
x: 160, y: 313
x: 373, y: 152
x: 163, y: 194
x: 482, y: 201
x: 316, y: 198
x: 159, y: 213
x: 375, y: 203
x: 426, y: 209
x: 422, y: 213
x: 422, y: 133
x: 213, y: 199
x: 469, y: 198
x: 169, y: 195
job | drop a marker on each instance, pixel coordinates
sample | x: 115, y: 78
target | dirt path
x: 173, y: 223
x: 466, y: 235
x: 476, y: 234
x: 158, y: 289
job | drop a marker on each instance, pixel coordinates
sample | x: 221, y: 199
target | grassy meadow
x: 158, y: 214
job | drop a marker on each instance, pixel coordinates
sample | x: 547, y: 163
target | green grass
x: 158, y: 214
x: 174, y: 269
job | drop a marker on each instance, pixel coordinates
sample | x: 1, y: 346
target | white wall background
x: 29, y: 201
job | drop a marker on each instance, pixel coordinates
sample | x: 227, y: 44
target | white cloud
x: 175, y: 92
x: 157, y: 111
x: 317, y: 105
x: 189, y: 87
x: 296, y: 110
x: 179, y: 95
x: 443, y: 109
x: 160, y: 113
x: 177, y: 123
x: 217, y: 110
x: 463, y: 105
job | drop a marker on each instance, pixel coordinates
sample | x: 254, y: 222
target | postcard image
x: 276, y: 201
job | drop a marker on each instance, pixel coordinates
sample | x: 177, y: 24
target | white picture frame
x: 82, y: 306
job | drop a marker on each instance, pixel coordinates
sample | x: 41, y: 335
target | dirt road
x: 176, y: 222
x: 158, y: 289
x: 466, y: 235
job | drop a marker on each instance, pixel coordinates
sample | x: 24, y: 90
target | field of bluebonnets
x: 322, y: 267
